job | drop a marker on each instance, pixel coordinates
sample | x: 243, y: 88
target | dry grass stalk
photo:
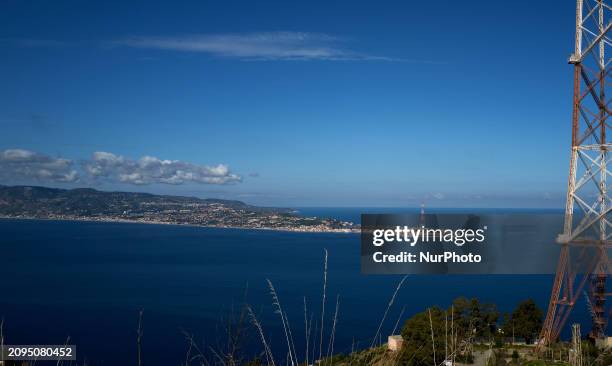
x: 306, y: 335
x: 279, y: 311
x: 139, y: 338
x: 433, y: 343
x: 330, y: 347
x: 193, y: 346
x: 323, y: 305
x: 399, y: 318
x: 399, y: 286
x: 291, y: 338
x: 267, y: 351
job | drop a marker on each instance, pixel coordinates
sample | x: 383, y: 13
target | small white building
x: 395, y: 342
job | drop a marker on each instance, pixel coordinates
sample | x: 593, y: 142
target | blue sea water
x: 87, y: 281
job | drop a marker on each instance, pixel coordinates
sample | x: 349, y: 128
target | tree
x: 418, y: 348
x: 461, y: 309
x: 526, y: 320
x: 472, y: 317
x: 465, y: 319
x: 489, y: 316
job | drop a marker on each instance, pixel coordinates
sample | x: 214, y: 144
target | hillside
x: 91, y: 204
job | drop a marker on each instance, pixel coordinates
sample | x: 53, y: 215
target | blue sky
x: 458, y: 104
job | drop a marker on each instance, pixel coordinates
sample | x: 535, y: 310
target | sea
x: 84, y: 283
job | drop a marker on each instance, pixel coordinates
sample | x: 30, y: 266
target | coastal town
x: 27, y: 202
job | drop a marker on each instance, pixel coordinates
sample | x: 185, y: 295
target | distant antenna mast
x: 422, y: 217
x: 588, y: 205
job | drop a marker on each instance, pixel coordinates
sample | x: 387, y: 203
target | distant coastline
x: 86, y: 204
x: 127, y: 221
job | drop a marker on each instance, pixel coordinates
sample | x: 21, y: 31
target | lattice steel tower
x: 585, y: 240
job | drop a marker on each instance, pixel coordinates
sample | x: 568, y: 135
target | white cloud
x: 25, y: 166
x: 19, y: 165
x: 149, y: 170
x: 256, y: 46
x: 438, y: 195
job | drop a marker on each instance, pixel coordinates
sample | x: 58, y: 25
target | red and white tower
x: 588, y: 204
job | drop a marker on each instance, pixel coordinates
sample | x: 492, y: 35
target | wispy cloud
x: 19, y: 165
x: 256, y: 46
x: 250, y: 46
